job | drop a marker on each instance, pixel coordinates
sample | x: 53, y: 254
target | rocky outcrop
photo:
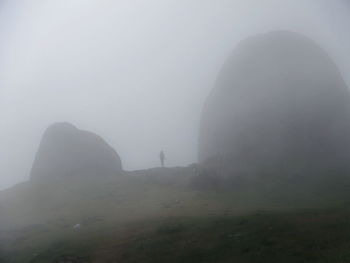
x: 66, y: 151
x: 280, y: 106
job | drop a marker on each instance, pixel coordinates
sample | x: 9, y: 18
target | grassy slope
x: 289, y: 237
x: 309, y: 236
x: 158, y: 218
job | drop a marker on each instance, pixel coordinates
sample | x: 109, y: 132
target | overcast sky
x: 134, y: 71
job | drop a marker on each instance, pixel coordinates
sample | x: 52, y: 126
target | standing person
x: 162, y: 157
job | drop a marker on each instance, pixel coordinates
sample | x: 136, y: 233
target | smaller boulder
x: 66, y: 151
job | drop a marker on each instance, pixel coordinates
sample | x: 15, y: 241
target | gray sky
x: 134, y: 71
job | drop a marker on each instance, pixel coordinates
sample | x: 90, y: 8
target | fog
x: 134, y: 72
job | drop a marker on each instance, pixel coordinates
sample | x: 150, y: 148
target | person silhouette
x: 162, y: 157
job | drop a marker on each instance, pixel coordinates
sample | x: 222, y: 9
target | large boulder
x: 66, y: 151
x: 280, y: 106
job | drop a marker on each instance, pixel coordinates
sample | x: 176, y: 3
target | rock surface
x: 280, y: 106
x: 66, y: 151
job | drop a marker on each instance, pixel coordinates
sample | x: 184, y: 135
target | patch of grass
x: 51, y: 252
x: 283, y: 237
x: 299, y: 236
x: 171, y: 228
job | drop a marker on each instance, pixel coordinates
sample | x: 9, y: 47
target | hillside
x: 307, y: 236
x: 162, y: 215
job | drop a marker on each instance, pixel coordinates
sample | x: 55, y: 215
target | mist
x: 135, y: 72
x: 174, y: 131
